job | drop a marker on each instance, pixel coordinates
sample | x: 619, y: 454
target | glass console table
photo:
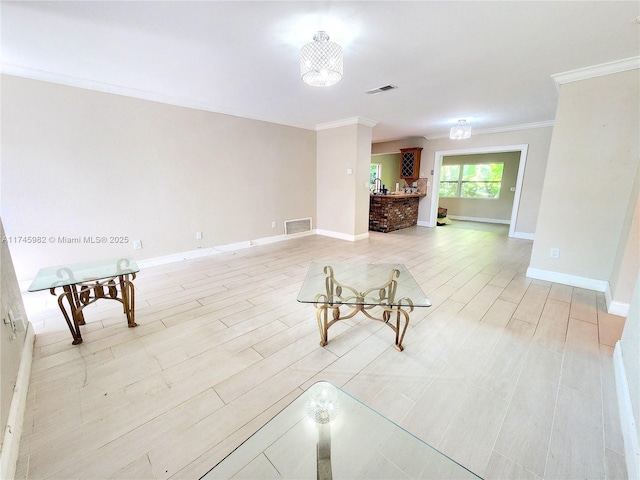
x: 326, y: 433
x: 84, y: 283
x: 361, y: 288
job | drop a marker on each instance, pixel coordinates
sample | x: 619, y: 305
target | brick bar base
x: 387, y: 214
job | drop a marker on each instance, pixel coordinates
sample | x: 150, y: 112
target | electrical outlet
x: 274, y: 224
x: 137, y: 244
x: 554, y: 253
x: 198, y: 235
x: 17, y: 324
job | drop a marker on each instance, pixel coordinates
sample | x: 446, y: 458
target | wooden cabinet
x: 410, y: 164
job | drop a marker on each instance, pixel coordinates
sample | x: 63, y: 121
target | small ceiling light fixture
x: 321, y: 61
x: 460, y: 130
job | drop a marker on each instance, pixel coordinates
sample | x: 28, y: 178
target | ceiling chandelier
x: 460, y: 130
x: 321, y: 61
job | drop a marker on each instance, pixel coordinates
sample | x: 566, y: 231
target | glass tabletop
x: 361, y: 284
x: 62, y: 275
x: 326, y: 433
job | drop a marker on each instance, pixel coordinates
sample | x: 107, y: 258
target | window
x: 476, y: 180
x: 450, y: 181
x: 376, y: 171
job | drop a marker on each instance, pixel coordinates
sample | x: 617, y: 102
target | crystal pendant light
x: 460, y: 130
x: 321, y: 61
x: 323, y: 403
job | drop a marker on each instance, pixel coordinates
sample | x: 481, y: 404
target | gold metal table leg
x: 337, y: 295
x: 128, y: 300
x: 74, y: 317
x: 80, y: 295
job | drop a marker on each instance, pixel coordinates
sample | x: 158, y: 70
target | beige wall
x: 493, y: 209
x: 343, y: 198
x: 361, y: 179
x: 82, y: 163
x: 336, y: 189
x: 588, y: 188
x: 382, y: 148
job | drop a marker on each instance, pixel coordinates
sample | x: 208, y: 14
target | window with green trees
x: 375, y: 172
x: 476, y: 180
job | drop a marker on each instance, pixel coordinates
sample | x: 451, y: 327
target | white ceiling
x: 490, y: 62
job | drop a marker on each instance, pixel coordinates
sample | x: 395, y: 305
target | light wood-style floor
x: 512, y: 377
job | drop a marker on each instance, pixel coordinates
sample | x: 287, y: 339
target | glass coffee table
x: 326, y: 433
x: 383, y: 292
x: 84, y: 283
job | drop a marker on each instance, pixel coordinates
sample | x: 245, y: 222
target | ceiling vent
x: 378, y: 90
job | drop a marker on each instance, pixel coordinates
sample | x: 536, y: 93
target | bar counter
x: 388, y: 213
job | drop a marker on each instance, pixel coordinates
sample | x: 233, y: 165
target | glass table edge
x: 423, y: 300
x: 375, y: 412
x: 132, y: 268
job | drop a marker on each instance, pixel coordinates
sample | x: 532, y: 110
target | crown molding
x: 113, y: 89
x: 347, y: 121
x: 597, y: 70
x: 509, y: 128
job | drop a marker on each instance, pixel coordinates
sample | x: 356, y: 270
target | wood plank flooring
x: 512, y: 377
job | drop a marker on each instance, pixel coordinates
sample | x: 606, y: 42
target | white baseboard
x: 627, y: 420
x: 479, y: 219
x: 613, y: 307
x: 205, y: 252
x: 565, y: 279
x: 618, y: 308
x: 13, y: 431
x: 521, y: 235
x: 343, y: 236
x: 524, y: 236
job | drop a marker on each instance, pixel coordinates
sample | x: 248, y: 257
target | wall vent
x: 301, y: 225
x: 375, y: 91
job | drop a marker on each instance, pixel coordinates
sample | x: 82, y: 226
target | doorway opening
x: 435, y: 195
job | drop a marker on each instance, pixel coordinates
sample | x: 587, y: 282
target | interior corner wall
x: 627, y: 262
x: 627, y: 365
x: 79, y: 164
x: 344, y: 159
x: 335, y: 191
x: 361, y: 181
x: 589, y: 179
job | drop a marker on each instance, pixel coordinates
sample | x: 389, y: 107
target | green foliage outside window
x: 374, y: 173
x: 480, y: 180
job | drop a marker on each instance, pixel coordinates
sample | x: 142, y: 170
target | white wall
x: 627, y: 362
x: 82, y: 163
x: 588, y: 188
x: 11, y: 341
x: 16, y: 347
